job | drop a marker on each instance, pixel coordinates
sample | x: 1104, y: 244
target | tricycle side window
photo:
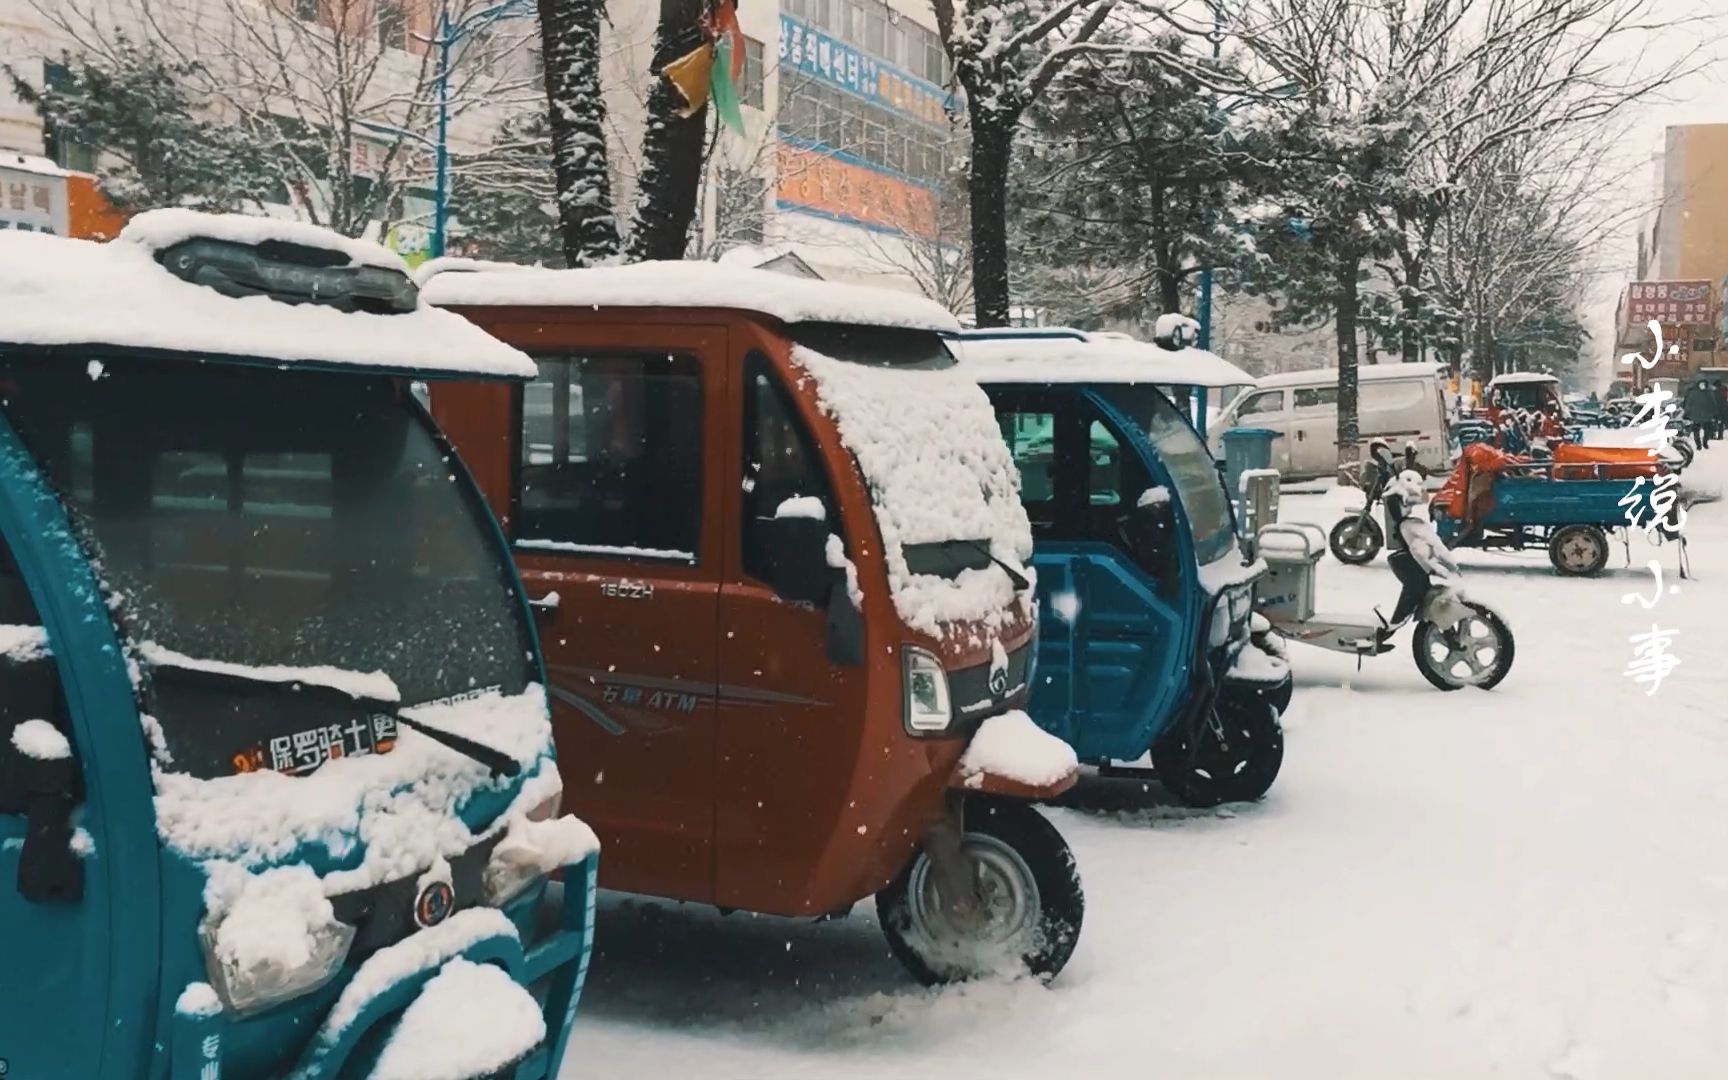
x: 609, y: 459
x: 781, y: 464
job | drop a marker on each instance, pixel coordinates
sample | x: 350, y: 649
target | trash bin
x: 1245, y: 448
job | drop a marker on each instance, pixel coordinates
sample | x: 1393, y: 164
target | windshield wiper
x: 498, y: 761
x: 1021, y: 584
x: 191, y: 669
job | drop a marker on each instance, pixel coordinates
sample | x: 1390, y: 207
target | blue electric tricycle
x: 1146, y: 641
x: 277, y: 796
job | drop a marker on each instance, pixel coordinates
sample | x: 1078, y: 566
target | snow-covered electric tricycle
x: 778, y: 564
x: 1569, y: 504
x: 1144, y: 594
x: 277, y: 788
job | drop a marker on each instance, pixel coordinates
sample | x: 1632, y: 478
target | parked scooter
x: 1356, y: 539
x: 1458, y: 642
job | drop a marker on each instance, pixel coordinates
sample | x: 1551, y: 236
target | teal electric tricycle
x: 277, y: 796
x: 1147, y: 643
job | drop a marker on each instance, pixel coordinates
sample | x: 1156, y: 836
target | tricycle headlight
x: 251, y: 987
x: 924, y: 682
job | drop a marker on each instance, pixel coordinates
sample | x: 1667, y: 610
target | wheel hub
x: 998, y: 919
x: 1472, y: 645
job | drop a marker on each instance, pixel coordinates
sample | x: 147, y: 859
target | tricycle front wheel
x: 1356, y: 540
x: 1233, y: 755
x: 1578, y: 550
x: 1029, y: 903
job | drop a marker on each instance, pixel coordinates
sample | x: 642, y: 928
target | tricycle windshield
x: 253, y: 525
x: 1191, y: 467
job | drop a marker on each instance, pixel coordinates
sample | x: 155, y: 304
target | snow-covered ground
x: 1531, y: 882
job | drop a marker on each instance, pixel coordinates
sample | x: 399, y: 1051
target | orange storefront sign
x: 826, y: 185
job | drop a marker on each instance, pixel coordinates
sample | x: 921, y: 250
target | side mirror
x: 1409, y: 455
x: 46, y: 778
x: 798, y: 568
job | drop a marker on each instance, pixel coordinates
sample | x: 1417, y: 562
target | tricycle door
x: 53, y: 921
x: 1111, y: 651
x: 613, y: 521
x: 793, y: 669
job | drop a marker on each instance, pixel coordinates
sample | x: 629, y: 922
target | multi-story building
x: 1682, y: 258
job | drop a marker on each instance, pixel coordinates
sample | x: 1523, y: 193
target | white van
x: 1397, y: 402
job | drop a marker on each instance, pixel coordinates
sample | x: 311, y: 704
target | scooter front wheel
x: 1356, y: 540
x: 1029, y: 903
x: 1477, y: 652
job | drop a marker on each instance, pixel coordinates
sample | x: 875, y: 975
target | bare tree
x: 935, y: 253
x: 337, y: 96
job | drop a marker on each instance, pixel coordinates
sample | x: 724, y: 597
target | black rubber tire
x: 1061, y: 900
x: 1570, y: 550
x: 1203, y: 773
x: 1503, y: 664
x: 1372, y: 536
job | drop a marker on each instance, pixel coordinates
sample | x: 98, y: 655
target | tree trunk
x: 1169, y: 285
x: 673, y: 149
x: 987, y: 184
x: 570, y: 43
x: 1347, y: 305
x: 1410, y: 334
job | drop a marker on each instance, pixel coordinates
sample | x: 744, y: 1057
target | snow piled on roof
x: 930, y: 450
x: 77, y: 292
x: 1364, y: 373
x: 469, y: 1020
x: 688, y: 285
x: 1048, y: 359
x: 402, y: 806
x: 158, y: 230
x: 1512, y: 378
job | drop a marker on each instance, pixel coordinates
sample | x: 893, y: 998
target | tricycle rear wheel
x: 1233, y: 755
x: 1356, y: 540
x: 1029, y: 888
x: 1578, y: 550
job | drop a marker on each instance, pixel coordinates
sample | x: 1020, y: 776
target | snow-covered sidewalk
x: 1531, y: 882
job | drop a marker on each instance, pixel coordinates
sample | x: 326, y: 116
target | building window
x: 752, y: 89
x: 59, y: 145
x: 875, y: 29
x: 611, y: 456
x: 392, y: 24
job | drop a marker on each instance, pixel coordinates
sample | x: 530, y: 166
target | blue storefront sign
x: 808, y: 51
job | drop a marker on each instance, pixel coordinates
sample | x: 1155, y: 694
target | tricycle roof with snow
x: 780, y: 571
x: 276, y: 776
x: 1144, y: 635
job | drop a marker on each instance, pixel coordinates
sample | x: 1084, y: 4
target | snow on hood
x: 687, y: 285
x: 403, y: 806
x: 929, y: 448
x: 77, y: 292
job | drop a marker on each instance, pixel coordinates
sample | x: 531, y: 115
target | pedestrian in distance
x: 1699, y: 405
